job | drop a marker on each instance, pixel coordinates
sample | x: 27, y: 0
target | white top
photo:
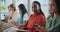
x: 25, y: 17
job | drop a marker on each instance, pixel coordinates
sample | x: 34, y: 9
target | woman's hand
x: 37, y: 27
x: 41, y: 29
x: 15, y: 24
x: 6, y: 19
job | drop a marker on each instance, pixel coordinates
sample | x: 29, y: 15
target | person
x: 53, y: 21
x: 23, y: 19
x: 38, y: 18
x: 12, y: 15
x: 23, y: 14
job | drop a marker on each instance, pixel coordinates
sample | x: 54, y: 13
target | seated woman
x: 12, y: 15
x: 22, y: 20
x: 53, y: 21
x: 23, y: 14
x: 37, y: 18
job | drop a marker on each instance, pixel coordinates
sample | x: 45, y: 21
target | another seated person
x: 22, y: 20
x: 38, y: 18
x: 12, y: 15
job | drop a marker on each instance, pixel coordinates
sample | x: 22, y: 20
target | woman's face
x: 35, y: 8
x: 52, y: 5
x: 20, y: 11
x: 11, y: 9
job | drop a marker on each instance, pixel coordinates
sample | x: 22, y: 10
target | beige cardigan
x: 15, y: 17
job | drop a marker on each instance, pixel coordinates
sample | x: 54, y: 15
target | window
x: 3, y: 5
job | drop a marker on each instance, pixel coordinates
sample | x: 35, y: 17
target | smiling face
x: 35, y: 8
x: 52, y: 5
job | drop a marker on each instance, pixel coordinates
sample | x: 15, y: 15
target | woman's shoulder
x: 25, y: 17
x: 16, y: 11
x: 50, y: 16
x: 26, y: 14
x: 43, y: 16
x: 58, y: 18
x: 32, y: 15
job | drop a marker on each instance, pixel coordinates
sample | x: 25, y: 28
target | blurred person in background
x: 23, y: 14
x: 23, y: 19
x: 12, y: 15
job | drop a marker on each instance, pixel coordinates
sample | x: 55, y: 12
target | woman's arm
x: 41, y: 29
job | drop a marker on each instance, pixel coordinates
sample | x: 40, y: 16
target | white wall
x: 7, y: 3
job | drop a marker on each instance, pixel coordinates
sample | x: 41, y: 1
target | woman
x: 37, y: 18
x: 53, y: 21
x: 12, y: 15
x: 22, y: 20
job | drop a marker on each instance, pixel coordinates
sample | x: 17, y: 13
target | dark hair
x: 22, y: 7
x: 58, y: 5
x: 12, y: 6
x: 39, y: 6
